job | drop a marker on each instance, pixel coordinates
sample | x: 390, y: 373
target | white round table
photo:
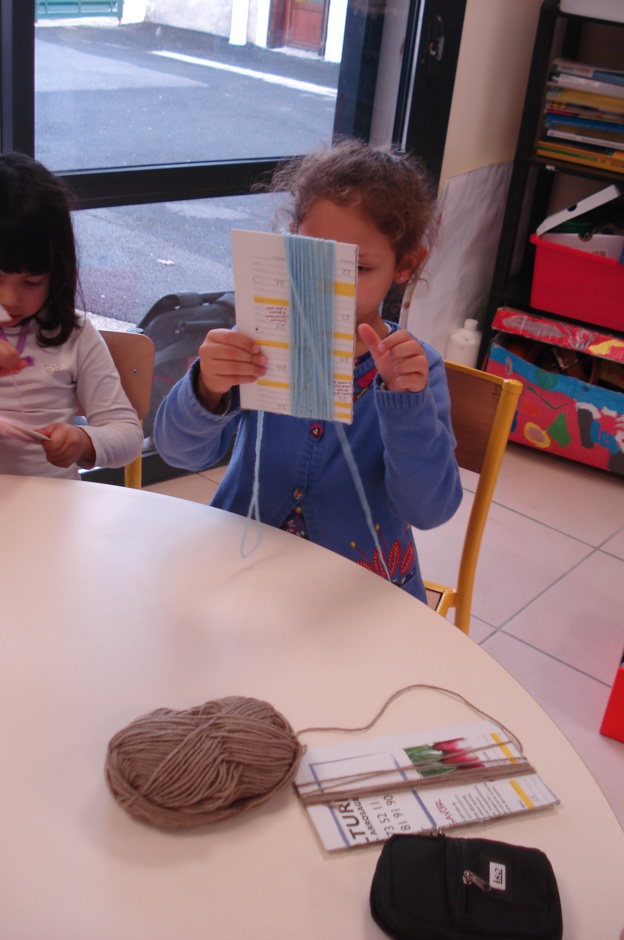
x: 116, y: 602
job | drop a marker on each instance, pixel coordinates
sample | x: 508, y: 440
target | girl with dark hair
x: 51, y: 357
x: 401, y: 437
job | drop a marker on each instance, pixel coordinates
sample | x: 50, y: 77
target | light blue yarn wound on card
x: 311, y: 265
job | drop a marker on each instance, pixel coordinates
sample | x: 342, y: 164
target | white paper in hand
x: 11, y: 427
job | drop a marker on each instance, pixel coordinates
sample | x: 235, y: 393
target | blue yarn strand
x: 357, y: 479
x: 310, y: 262
x: 254, y: 505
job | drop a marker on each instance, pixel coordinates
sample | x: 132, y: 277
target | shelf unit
x: 533, y: 177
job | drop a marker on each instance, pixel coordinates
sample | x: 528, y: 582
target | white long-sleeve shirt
x: 79, y: 374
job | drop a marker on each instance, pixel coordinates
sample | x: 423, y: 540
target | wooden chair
x: 482, y: 412
x: 133, y: 355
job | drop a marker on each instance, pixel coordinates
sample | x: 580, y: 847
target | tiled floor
x: 548, y: 593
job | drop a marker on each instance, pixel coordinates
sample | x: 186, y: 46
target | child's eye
x: 33, y: 284
x: 362, y: 268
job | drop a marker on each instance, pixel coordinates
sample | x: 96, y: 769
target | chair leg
x: 132, y: 474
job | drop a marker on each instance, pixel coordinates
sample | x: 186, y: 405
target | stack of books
x: 584, y: 116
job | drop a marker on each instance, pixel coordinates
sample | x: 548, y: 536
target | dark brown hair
x: 392, y: 188
x: 37, y: 237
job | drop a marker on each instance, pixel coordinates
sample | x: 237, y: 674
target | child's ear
x: 410, y: 264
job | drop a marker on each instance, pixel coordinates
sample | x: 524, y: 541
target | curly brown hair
x: 391, y: 187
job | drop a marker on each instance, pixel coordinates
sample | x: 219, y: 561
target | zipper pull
x: 469, y: 878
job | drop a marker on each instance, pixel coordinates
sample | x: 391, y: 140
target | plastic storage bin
x: 582, y: 283
x: 578, y: 284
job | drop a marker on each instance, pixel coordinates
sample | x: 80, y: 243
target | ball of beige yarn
x: 187, y: 768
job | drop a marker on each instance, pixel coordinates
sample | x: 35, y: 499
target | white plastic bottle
x: 463, y: 344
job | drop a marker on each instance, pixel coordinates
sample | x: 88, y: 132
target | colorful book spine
x: 602, y: 160
x: 595, y: 140
x: 571, y: 67
x: 577, y: 96
x: 587, y: 84
x: 562, y: 121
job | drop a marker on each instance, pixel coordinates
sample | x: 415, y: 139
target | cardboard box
x: 579, y: 279
x: 560, y: 413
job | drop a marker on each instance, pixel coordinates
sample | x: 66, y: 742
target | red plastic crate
x: 578, y: 284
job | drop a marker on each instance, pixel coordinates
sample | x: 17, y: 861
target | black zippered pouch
x: 430, y: 887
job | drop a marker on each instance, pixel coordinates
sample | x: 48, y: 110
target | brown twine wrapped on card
x: 186, y: 768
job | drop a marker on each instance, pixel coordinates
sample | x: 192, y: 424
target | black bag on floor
x: 177, y: 325
x: 430, y: 887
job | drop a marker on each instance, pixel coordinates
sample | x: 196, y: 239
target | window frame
x: 121, y: 186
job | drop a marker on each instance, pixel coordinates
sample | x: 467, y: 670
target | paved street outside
x: 110, y: 96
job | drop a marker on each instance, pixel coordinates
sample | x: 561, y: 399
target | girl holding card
x: 53, y: 361
x: 401, y: 438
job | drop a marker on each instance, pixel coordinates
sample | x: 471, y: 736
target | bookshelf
x: 540, y: 185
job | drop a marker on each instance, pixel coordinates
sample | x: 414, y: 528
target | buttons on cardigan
x: 316, y: 430
x: 297, y: 493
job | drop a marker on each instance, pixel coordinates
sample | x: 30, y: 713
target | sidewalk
x: 107, y: 100
x: 152, y: 37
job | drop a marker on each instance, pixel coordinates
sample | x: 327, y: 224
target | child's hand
x: 227, y: 358
x: 399, y: 358
x: 10, y: 360
x: 67, y: 445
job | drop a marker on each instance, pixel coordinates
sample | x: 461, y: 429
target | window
x: 163, y: 115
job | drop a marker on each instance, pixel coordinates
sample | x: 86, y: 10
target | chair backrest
x: 482, y: 411
x: 133, y: 355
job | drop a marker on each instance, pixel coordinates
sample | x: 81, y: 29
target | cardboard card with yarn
x: 364, y: 791
x: 264, y: 309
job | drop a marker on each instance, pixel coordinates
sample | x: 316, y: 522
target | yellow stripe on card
x: 272, y: 301
x: 342, y: 378
x: 277, y: 344
x: 528, y: 802
x: 497, y: 738
x: 269, y: 384
x: 347, y: 337
x: 344, y: 289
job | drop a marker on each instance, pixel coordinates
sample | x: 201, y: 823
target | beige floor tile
x: 575, y: 702
x: 615, y: 545
x: 519, y: 559
x: 579, y: 620
x: 214, y: 474
x: 194, y: 486
x: 581, y: 501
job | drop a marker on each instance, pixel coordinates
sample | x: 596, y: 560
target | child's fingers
x: 228, y: 358
x: 9, y: 356
x: 10, y: 359
x: 369, y: 337
x: 230, y: 344
x: 67, y: 444
x: 401, y: 345
x: 399, y: 358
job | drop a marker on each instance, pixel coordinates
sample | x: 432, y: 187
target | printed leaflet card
x: 262, y: 290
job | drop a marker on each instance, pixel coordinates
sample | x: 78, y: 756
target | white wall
x: 492, y: 72
x: 210, y: 16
